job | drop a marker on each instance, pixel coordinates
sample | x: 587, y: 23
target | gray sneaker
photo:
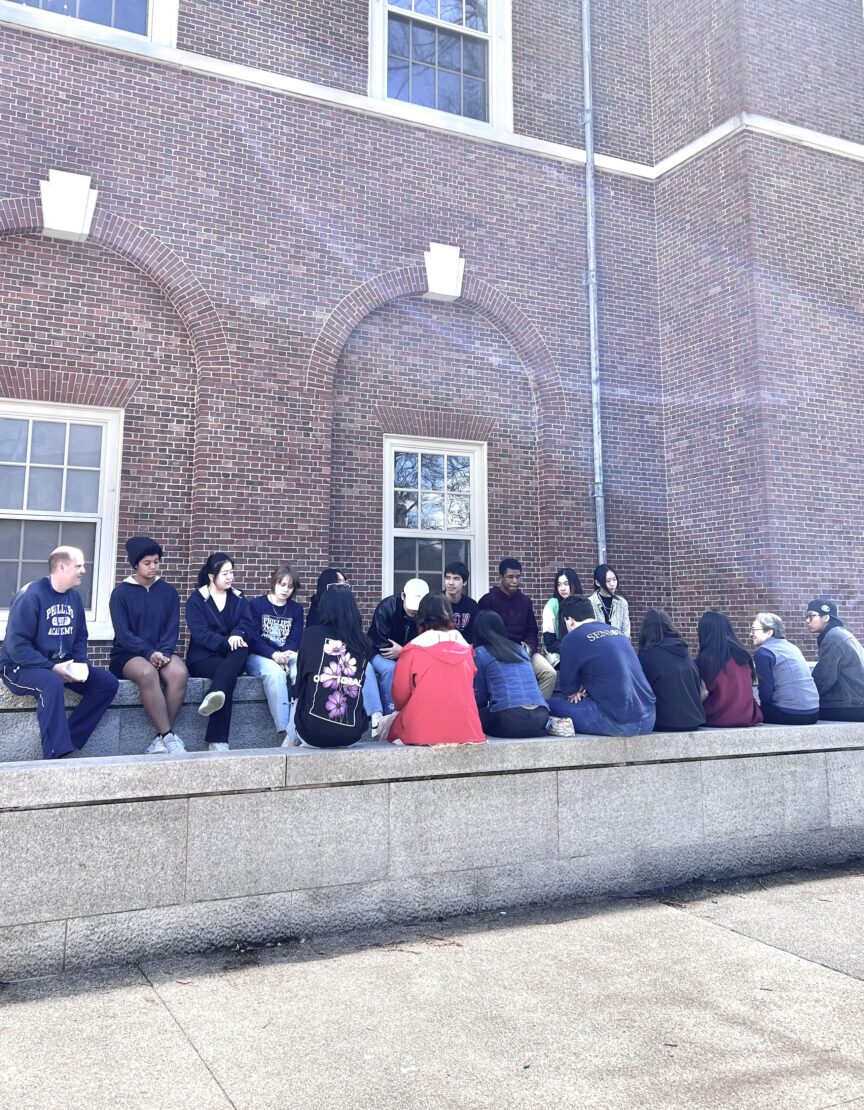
x: 157, y: 746
x: 217, y: 747
x: 212, y: 703
x: 173, y: 743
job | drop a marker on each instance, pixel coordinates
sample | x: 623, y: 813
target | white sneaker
x: 561, y: 726
x: 173, y: 742
x: 376, y: 725
x: 212, y: 703
x: 217, y: 747
x: 157, y: 746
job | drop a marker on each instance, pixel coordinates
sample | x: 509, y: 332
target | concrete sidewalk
x: 747, y: 995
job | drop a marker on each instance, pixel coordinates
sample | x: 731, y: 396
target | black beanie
x: 139, y: 546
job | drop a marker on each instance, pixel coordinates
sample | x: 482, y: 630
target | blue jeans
x: 275, y: 682
x: 384, y: 669
x: 588, y: 717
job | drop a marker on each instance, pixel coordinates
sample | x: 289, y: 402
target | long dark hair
x: 338, y: 610
x: 656, y: 627
x: 487, y: 630
x: 434, y: 614
x: 214, y: 564
x: 575, y: 591
x: 325, y: 578
x: 718, y: 644
x: 600, y: 573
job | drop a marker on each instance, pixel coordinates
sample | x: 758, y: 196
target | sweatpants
x: 62, y: 735
x: 223, y: 672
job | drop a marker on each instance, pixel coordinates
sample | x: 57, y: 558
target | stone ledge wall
x: 111, y: 860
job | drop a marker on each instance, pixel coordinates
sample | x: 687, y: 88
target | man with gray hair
x: 787, y: 692
x: 45, y: 651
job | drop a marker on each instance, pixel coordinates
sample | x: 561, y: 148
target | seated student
x: 464, y: 607
x: 787, y: 692
x: 505, y: 686
x: 273, y: 631
x: 604, y: 691
x: 145, y: 613
x: 327, y: 577
x: 672, y: 674
x: 727, y: 670
x: 566, y: 585
x: 516, y: 611
x: 433, y: 686
x: 839, y: 674
x: 609, y: 606
x: 216, y: 616
x: 393, y: 626
x: 332, y: 672
x: 45, y: 651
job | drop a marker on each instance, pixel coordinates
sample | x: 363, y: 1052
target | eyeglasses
x: 758, y: 628
x: 813, y: 616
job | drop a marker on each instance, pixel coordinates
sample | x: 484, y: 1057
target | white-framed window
x: 434, y: 512
x: 59, y: 484
x: 109, y: 22
x: 450, y: 56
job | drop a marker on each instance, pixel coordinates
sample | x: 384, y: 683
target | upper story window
x: 448, y: 56
x: 59, y: 479
x: 106, y: 22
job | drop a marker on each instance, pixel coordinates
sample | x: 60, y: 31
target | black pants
x: 845, y: 713
x: 223, y: 671
x: 774, y: 716
x: 515, y: 723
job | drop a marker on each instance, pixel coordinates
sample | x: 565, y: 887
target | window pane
x: 131, y: 15
x: 429, y: 555
x: 426, y: 7
x: 45, y: 490
x: 475, y: 15
x: 63, y: 7
x: 432, y: 472
x: 474, y: 57
x: 432, y: 512
x: 405, y: 510
x: 398, y: 36
x: 80, y: 535
x: 85, y: 445
x: 399, y: 580
x: 401, y: 4
x: 474, y: 98
x: 423, y: 86
x: 49, y: 443
x: 8, y: 583
x: 82, y: 491
x: 458, y: 473
x: 13, y: 440
x: 397, y: 80
x: 457, y: 551
x: 451, y: 11
x: 405, y: 470
x: 449, y: 50
x: 423, y: 44
x: 458, y: 512
x: 404, y: 553
x: 95, y: 11
x: 449, y: 92
x: 40, y: 539
x: 31, y: 572
x: 11, y: 487
x: 10, y: 539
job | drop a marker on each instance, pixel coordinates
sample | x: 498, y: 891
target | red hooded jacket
x: 433, y: 689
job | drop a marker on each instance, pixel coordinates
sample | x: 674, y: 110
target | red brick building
x: 239, y: 353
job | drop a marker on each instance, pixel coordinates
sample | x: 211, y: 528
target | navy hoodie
x: 145, y: 618
x: 45, y: 627
x: 272, y: 627
x: 602, y: 660
x: 674, y: 678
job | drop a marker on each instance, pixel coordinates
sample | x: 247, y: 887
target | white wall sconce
x: 444, y: 271
x: 68, y: 204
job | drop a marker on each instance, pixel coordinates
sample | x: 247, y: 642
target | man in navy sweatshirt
x: 604, y: 691
x: 45, y: 651
x: 517, y: 612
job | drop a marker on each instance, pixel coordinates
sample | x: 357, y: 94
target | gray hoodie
x: 839, y: 674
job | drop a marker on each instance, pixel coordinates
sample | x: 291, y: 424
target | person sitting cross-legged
x: 604, y: 691
x: 505, y: 685
x: 45, y: 651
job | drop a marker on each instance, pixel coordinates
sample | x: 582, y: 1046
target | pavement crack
x: 186, y: 1037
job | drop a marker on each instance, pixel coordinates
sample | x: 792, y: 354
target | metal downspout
x: 597, y: 492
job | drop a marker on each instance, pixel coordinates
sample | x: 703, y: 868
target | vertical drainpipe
x: 591, y: 284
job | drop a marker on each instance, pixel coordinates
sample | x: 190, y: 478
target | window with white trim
x: 434, y: 512
x: 448, y: 56
x: 59, y: 485
x: 110, y: 22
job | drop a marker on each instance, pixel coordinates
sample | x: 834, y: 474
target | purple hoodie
x: 516, y: 611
